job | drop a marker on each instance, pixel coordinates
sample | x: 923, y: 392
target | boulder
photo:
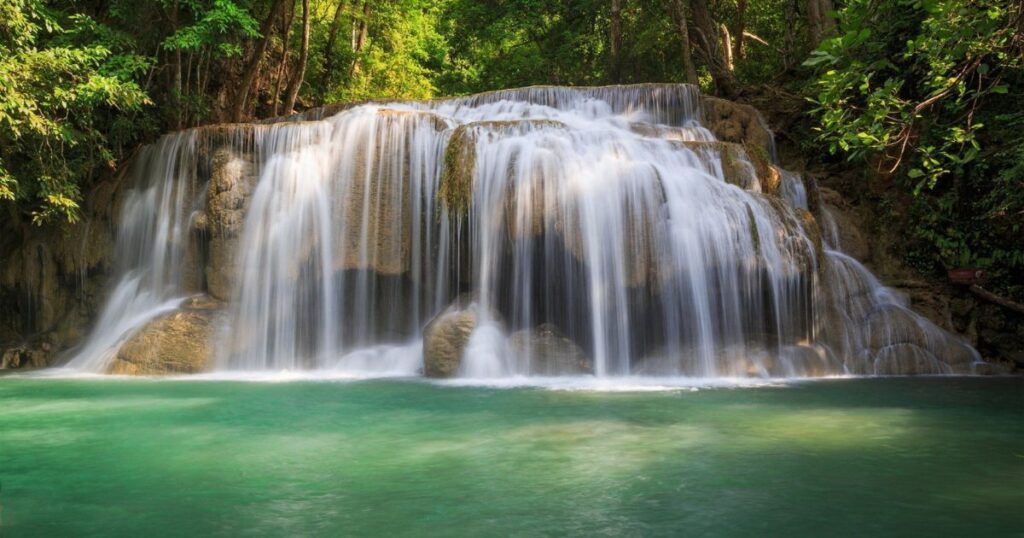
x: 445, y: 338
x: 455, y: 188
x: 176, y: 343
x: 737, y: 167
x: 742, y: 124
x: 550, y: 352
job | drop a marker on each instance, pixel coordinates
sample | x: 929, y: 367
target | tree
x: 64, y: 84
x: 286, y: 26
x: 741, y: 14
x: 615, y: 40
x: 300, y: 73
x: 929, y: 95
x: 819, y: 20
x: 252, y: 65
x: 677, y: 11
x: 332, y: 38
x: 360, y: 31
x: 715, y: 56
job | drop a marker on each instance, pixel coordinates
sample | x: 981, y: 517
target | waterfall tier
x: 615, y: 230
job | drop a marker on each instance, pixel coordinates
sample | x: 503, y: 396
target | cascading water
x: 610, y: 217
x: 335, y: 249
x: 151, y: 241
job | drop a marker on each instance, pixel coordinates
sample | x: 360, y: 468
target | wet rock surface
x: 54, y: 279
x: 181, y: 342
x: 232, y: 181
x: 549, y: 352
x: 445, y: 338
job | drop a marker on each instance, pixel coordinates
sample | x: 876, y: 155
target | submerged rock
x: 178, y: 343
x: 550, y: 352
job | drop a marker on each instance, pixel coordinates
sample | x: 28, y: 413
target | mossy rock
x: 455, y: 190
x: 445, y: 338
x: 735, y: 122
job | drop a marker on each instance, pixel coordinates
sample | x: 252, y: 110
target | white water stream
x: 602, y: 211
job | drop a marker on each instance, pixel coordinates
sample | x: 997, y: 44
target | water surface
x: 849, y: 457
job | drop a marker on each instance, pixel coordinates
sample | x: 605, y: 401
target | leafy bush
x: 929, y: 92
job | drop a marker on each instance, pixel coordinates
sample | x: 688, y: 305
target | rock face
x: 52, y: 277
x: 374, y: 204
x: 844, y: 225
x: 550, y: 352
x: 445, y: 339
x: 25, y: 356
x: 177, y: 343
x: 734, y: 122
x: 232, y: 179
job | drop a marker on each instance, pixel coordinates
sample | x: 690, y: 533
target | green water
x: 921, y: 457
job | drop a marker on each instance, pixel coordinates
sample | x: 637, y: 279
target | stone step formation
x: 624, y: 230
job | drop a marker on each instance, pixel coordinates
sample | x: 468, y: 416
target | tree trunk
x: 706, y: 32
x: 741, y: 23
x: 286, y: 27
x: 332, y: 38
x: 176, y: 73
x: 359, y: 34
x: 296, y: 82
x: 1001, y: 301
x: 615, y: 42
x: 789, y: 42
x: 677, y: 10
x: 252, y: 67
x: 726, y: 45
x: 819, y: 23
x: 178, y: 123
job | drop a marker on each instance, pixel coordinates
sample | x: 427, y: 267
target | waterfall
x: 612, y: 219
x: 151, y: 244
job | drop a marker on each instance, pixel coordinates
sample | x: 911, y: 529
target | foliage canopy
x: 925, y: 94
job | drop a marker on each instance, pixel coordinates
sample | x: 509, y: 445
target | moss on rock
x: 734, y: 122
x: 456, y: 185
x: 455, y: 190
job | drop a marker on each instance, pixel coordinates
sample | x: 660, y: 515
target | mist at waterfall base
x: 611, y: 214
x: 933, y: 456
